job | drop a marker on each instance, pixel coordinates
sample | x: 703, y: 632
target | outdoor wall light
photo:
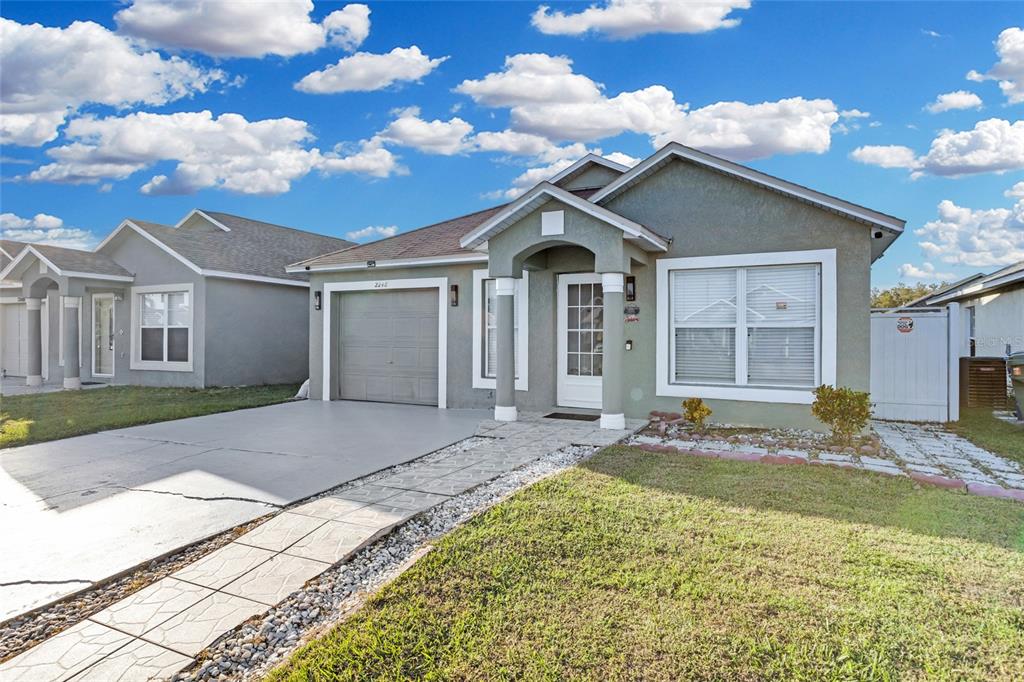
x: 318, y: 300
x: 629, y: 344
x: 631, y: 288
x: 454, y: 295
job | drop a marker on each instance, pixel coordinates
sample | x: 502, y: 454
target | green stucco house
x: 612, y: 289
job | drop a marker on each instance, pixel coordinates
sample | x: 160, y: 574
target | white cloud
x: 743, y: 131
x: 848, y: 114
x: 958, y: 99
x: 243, y: 29
x: 1015, y: 192
x: 931, y: 34
x: 925, y: 272
x: 886, y: 156
x: 979, y: 238
x: 365, y: 72
x: 44, y: 229
x: 1009, y: 71
x: 992, y: 146
x: 631, y: 18
x: 623, y: 159
x: 49, y: 72
x: 226, y: 152
x: 432, y: 137
x: 369, y: 157
x: 372, y: 232
x: 547, y: 99
x: 557, y: 160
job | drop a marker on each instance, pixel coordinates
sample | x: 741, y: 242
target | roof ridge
x: 280, y: 227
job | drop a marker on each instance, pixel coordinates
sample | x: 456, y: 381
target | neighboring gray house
x: 992, y: 309
x: 619, y: 290
x: 204, y: 303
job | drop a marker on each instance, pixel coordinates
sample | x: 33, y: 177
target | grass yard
x: 981, y: 428
x: 665, y: 567
x: 47, y: 416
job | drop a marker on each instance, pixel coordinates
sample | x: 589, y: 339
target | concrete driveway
x: 83, y: 509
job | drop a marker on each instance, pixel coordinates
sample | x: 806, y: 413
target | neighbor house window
x: 747, y: 331
x: 162, y: 327
x: 485, y: 330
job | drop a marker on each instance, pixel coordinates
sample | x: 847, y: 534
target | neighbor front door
x: 580, y: 340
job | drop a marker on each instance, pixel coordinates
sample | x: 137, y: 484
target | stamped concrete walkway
x: 79, y: 510
x: 157, y: 631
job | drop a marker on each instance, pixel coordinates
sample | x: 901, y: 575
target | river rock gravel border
x: 256, y: 646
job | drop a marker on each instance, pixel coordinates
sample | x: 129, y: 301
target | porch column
x: 505, y: 378
x: 35, y: 341
x: 71, y: 340
x: 612, y: 414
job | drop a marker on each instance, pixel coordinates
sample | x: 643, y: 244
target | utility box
x: 983, y: 382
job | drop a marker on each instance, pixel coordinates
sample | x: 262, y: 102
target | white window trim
x: 136, y: 334
x: 92, y: 334
x: 440, y: 283
x: 523, y: 310
x: 825, y: 258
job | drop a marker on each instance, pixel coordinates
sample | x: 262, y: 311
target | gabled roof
x: 70, y: 263
x: 433, y: 243
x: 923, y: 300
x: 977, y: 285
x: 545, y: 192
x: 11, y: 248
x: 583, y: 165
x: 230, y: 246
x: 674, y: 150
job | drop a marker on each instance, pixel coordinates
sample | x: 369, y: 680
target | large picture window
x: 162, y: 328
x: 747, y: 327
x: 485, y: 330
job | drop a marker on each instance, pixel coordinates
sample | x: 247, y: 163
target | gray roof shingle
x: 251, y: 247
x: 70, y: 260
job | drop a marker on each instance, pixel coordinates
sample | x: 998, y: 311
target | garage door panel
x: 389, y: 345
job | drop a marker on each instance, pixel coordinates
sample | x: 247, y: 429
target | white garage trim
x: 440, y: 283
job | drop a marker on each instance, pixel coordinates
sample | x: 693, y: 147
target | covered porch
x: 594, y: 252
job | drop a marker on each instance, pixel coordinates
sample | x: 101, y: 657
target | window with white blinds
x: 485, y: 330
x: 490, y: 362
x: 753, y: 326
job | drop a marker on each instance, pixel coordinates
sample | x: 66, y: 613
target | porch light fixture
x: 453, y: 295
x: 318, y: 300
x: 630, y: 288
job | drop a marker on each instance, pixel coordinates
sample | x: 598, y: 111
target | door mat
x: 573, y: 417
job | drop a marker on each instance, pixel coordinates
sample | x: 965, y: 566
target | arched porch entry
x: 589, y: 305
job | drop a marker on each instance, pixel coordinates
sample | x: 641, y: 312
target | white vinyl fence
x: 915, y: 364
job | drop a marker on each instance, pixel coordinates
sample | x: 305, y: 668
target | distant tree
x: 901, y: 294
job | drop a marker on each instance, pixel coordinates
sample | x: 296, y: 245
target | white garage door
x: 389, y: 346
x: 13, y: 339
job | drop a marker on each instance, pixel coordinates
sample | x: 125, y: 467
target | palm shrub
x: 844, y: 410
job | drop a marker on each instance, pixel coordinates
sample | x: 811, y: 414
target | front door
x: 103, y: 335
x: 580, y: 340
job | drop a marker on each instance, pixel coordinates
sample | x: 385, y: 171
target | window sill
x: 149, y: 365
x: 796, y: 396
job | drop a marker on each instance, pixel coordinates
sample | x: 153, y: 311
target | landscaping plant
x: 844, y: 410
x: 696, y: 412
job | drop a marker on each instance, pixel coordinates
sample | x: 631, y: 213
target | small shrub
x: 696, y: 412
x: 844, y: 410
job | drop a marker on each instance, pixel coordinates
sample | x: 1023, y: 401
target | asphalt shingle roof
x: 251, y: 247
x: 70, y: 260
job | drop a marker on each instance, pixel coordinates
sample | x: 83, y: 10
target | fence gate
x: 914, y: 364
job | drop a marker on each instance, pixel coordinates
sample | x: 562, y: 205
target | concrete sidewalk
x: 83, y: 509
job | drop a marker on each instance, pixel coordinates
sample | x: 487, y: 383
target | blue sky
x: 96, y: 114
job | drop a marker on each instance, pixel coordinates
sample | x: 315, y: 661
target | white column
x: 505, y: 377
x: 72, y: 337
x: 33, y: 307
x: 612, y: 416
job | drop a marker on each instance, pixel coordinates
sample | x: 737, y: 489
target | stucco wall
x: 256, y: 333
x: 595, y: 176
x: 998, y: 322
x: 152, y: 266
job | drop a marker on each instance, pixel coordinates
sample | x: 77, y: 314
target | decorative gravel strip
x: 253, y: 648
x: 25, y: 631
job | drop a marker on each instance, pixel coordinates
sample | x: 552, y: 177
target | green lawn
x: 47, y: 416
x: 981, y: 428
x: 666, y: 567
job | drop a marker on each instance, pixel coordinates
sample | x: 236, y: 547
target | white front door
x: 103, y: 335
x: 580, y: 340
